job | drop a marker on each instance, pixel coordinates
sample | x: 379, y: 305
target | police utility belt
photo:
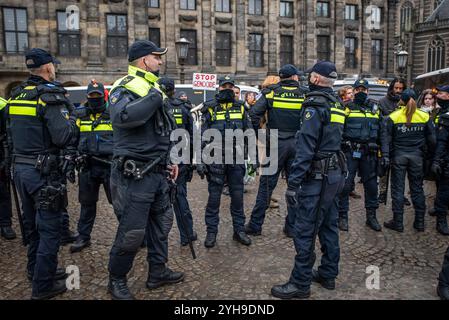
x: 135, y: 169
x: 327, y: 162
x: 358, y: 148
x: 45, y: 163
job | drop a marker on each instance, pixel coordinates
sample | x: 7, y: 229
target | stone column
x: 42, y: 25
x: 94, y: 58
x: 241, y: 36
x: 206, y: 20
x: 171, y: 34
x: 273, y: 53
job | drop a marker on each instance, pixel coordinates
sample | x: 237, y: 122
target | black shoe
x: 242, y: 237
x: 343, y: 224
x: 211, y: 239
x: 59, y: 287
x: 418, y: 224
x: 118, y: 288
x: 251, y: 232
x: 79, y: 245
x: 328, y: 284
x: 442, y: 227
x: 67, y: 237
x: 288, y: 233
x: 194, y: 237
x: 59, y: 274
x: 8, y: 233
x: 443, y: 292
x: 167, y: 277
x: 394, y: 226
x: 371, y: 221
x: 407, y: 202
x: 289, y: 291
x: 432, y: 212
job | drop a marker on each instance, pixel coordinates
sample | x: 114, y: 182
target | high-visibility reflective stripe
x: 100, y: 127
x: 29, y: 88
x: 232, y: 116
x: 337, y: 116
x: 23, y: 102
x: 178, y: 120
x: 22, y: 111
x: 399, y: 116
x: 287, y: 105
x: 363, y: 115
x: 296, y: 100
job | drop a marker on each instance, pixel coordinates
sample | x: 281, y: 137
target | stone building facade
x: 248, y: 38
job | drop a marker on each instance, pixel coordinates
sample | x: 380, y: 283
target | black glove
x: 291, y: 198
x: 202, y: 170
x: 436, y: 169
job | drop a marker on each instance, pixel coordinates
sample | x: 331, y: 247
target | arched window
x: 406, y: 17
x: 436, y: 54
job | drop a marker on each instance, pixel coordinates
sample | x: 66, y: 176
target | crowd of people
x: 121, y: 140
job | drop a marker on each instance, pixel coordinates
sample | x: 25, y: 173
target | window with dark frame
x: 255, y: 7
x: 223, y: 5
x: 350, y: 53
x: 323, y: 48
x: 351, y: 12
x: 286, y: 50
x: 153, y: 3
x: 117, y: 35
x: 286, y: 9
x: 15, y: 29
x: 223, y: 48
x: 406, y: 17
x: 322, y: 9
x: 436, y: 54
x: 155, y: 36
x: 377, y: 54
x: 187, y: 4
x: 192, y: 57
x: 256, y: 50
x: 69, y: 43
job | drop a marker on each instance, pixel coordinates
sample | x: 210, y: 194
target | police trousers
x: 321, y: 215
x: 267, y: 184
x: 366, y: 166
x: 42, y: 228
x: 5, y: 202
x: 90, y: 180
x: 442, y: 197
x: 234, y: 176
x: 143, y: 207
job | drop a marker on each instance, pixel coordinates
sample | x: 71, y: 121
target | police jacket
x: 410, y: 139
x: 96, y: 135
x: 3, y: 103
x: 139, y: 120
x: 283, y: 101
x: 320, y: 135
x: 181, y: 112
x: 364, y: 125
x: 38, y: 118
x: 442, y: 139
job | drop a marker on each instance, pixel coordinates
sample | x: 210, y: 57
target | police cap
x: 95, y: 87
x: 443, y: 88
x: 226, y: 79
x: 142, y: 48
x: 37, y: 57
x: 324, y: 68
x: 361, y: 83
x: 288, y: 71
x: 408, y: 94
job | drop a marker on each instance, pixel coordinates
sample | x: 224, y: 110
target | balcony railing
x: 432, y: 25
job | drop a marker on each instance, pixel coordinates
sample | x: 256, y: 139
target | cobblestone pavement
x: 409, y: 262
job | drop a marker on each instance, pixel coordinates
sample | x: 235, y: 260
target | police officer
x: 440, y: 166
x: 94, y: 160
x: 39, y: 127
x: 223, y: 113
x: 409, y: 129
x: 443, y: 280
x: 364, y: 137
x: 283, y: 101
x: 184, y: 120
x: 315, y: 180
x: 6, y: 231
x: 139, y: 181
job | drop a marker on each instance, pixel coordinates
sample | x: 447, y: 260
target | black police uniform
x: 221, y: 116
x: 315, y: 180
x: 443, y: 279
x: 364, y: 139
x: 5, y: 196
x: 39, y: 127
x: 184, y: 120
x: 95, y: 153
x: 406, y: 152
x: 283, y: 102
x: 141, y: 200
x: 441, y: 161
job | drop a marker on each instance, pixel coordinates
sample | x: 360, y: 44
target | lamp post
x: 182, y: 50
x: 402, y: 59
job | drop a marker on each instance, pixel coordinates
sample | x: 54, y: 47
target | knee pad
x: 132, y: 240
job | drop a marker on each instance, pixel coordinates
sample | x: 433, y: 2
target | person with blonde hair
x: 346, y: 94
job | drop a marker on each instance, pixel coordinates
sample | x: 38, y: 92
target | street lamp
x: 402, y: 58
x: 182, y: 50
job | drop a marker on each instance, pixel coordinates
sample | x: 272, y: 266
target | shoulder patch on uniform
x: 114, y: 97
x: 309, y: 114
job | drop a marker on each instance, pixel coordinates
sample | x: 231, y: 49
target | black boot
x: 8, y: 233
x: 382, y: 197
x: 79, y: 245
x: 443, y: 291
x: 442, y: 224
x: 242, y: 237
x: 193, y: 238
x: 59, y: 287
x: 289, y: 291
x: 211, y: 239
x: 395, y: 224
x: 118, y: 288
x: 166, y: 277
x: 252, y: 232
x: 59, y: 274
x: 343, y: 221
x: 371, y: 220
x: 419, y: 222
x: 328, y: 284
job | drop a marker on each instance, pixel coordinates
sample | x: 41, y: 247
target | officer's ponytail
x: 410, y: 109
